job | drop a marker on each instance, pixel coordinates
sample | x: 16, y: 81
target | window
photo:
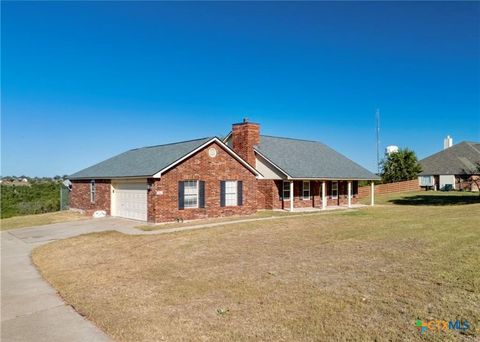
x: 306, y: 190
x: 190, y: 194
x: 426, y: 181
x: 93, y: 191
x: 286, y: 190
x: 334, y: 190
x: 231, y: 195
x: 355, y: 188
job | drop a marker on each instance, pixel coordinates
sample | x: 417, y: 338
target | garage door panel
x: 131, y: 200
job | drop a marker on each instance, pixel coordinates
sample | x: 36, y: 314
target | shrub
x: 37, y: 198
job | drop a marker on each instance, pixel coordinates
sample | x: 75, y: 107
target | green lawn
x: 426, y: 198
x: 361, y: 275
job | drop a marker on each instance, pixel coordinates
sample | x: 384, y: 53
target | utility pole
x: 377, y: 114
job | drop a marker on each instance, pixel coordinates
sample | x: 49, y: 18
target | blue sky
x: 83, y: 81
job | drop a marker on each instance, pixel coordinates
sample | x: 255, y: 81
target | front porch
x: 311, y: 195
x: 327, y: 208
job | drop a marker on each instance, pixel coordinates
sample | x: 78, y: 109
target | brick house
x: 453, y: 168
x: 213, y: 177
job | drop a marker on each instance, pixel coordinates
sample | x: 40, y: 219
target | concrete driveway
x: 31, y: 310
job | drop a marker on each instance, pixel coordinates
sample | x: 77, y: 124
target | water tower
x: 391, y: 149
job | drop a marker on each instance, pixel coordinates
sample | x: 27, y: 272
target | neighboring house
x: 451, y: 168
x: 214, y: 177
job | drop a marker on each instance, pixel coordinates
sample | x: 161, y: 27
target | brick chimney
x: 244, y: 136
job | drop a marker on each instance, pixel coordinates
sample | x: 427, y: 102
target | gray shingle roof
x: 298, y: 158
x: 310, y: 159
x: 454, y: 160
x: 145, y: 161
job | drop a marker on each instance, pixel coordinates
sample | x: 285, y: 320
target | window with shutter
x: 93, y: 191
x: 190, y: 197
x: 334, y: 193
x: 231, y: 197
x: 306, y: 190
x: 286, y: 190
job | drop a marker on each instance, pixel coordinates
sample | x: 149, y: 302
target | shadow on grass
x: 437, y: 200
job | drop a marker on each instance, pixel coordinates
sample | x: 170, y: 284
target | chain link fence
x: 64, y: 197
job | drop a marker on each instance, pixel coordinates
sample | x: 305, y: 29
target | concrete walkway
x: 196, y: 225
x: 31, y: 310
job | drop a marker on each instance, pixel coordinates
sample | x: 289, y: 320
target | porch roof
x: 305, y: 159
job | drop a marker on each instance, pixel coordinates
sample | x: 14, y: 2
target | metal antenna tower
x: 377, y: 116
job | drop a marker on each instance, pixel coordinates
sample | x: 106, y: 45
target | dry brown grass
x: 39, y: 219
x: 201, y: 222
x: 360, y: 275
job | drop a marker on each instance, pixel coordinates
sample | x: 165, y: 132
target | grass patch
x: 360, y: 275
x: 456, y: 198
x: 201, y: 222
x: 39, y: 219
x: 426, y: 198
x: 354, y: 213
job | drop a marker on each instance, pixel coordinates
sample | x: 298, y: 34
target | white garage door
x: 130, y: 200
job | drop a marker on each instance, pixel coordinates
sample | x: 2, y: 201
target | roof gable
x: 458, y: 159
x: 222, y: 145
x: 150, y: 161
x: 310, y: 159
x: 139, y: 162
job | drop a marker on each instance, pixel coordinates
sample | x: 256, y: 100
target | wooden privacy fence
x: 380, y: 189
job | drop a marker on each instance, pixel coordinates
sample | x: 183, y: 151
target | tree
x: 400, y: 166
x: 474, y: 177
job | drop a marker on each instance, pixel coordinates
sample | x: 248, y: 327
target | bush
x: 37, y: 198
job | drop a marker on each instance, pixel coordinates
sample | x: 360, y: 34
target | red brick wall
x: 244, y: 137
x: 380, y: 189
x: 80, y: 196
x: 267, y: 194
x: 164, y: 207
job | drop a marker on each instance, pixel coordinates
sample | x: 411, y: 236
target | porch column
x: 324, y: 199
x: 291, y: 196
x: 372, y: 194
x: 349, y: 194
